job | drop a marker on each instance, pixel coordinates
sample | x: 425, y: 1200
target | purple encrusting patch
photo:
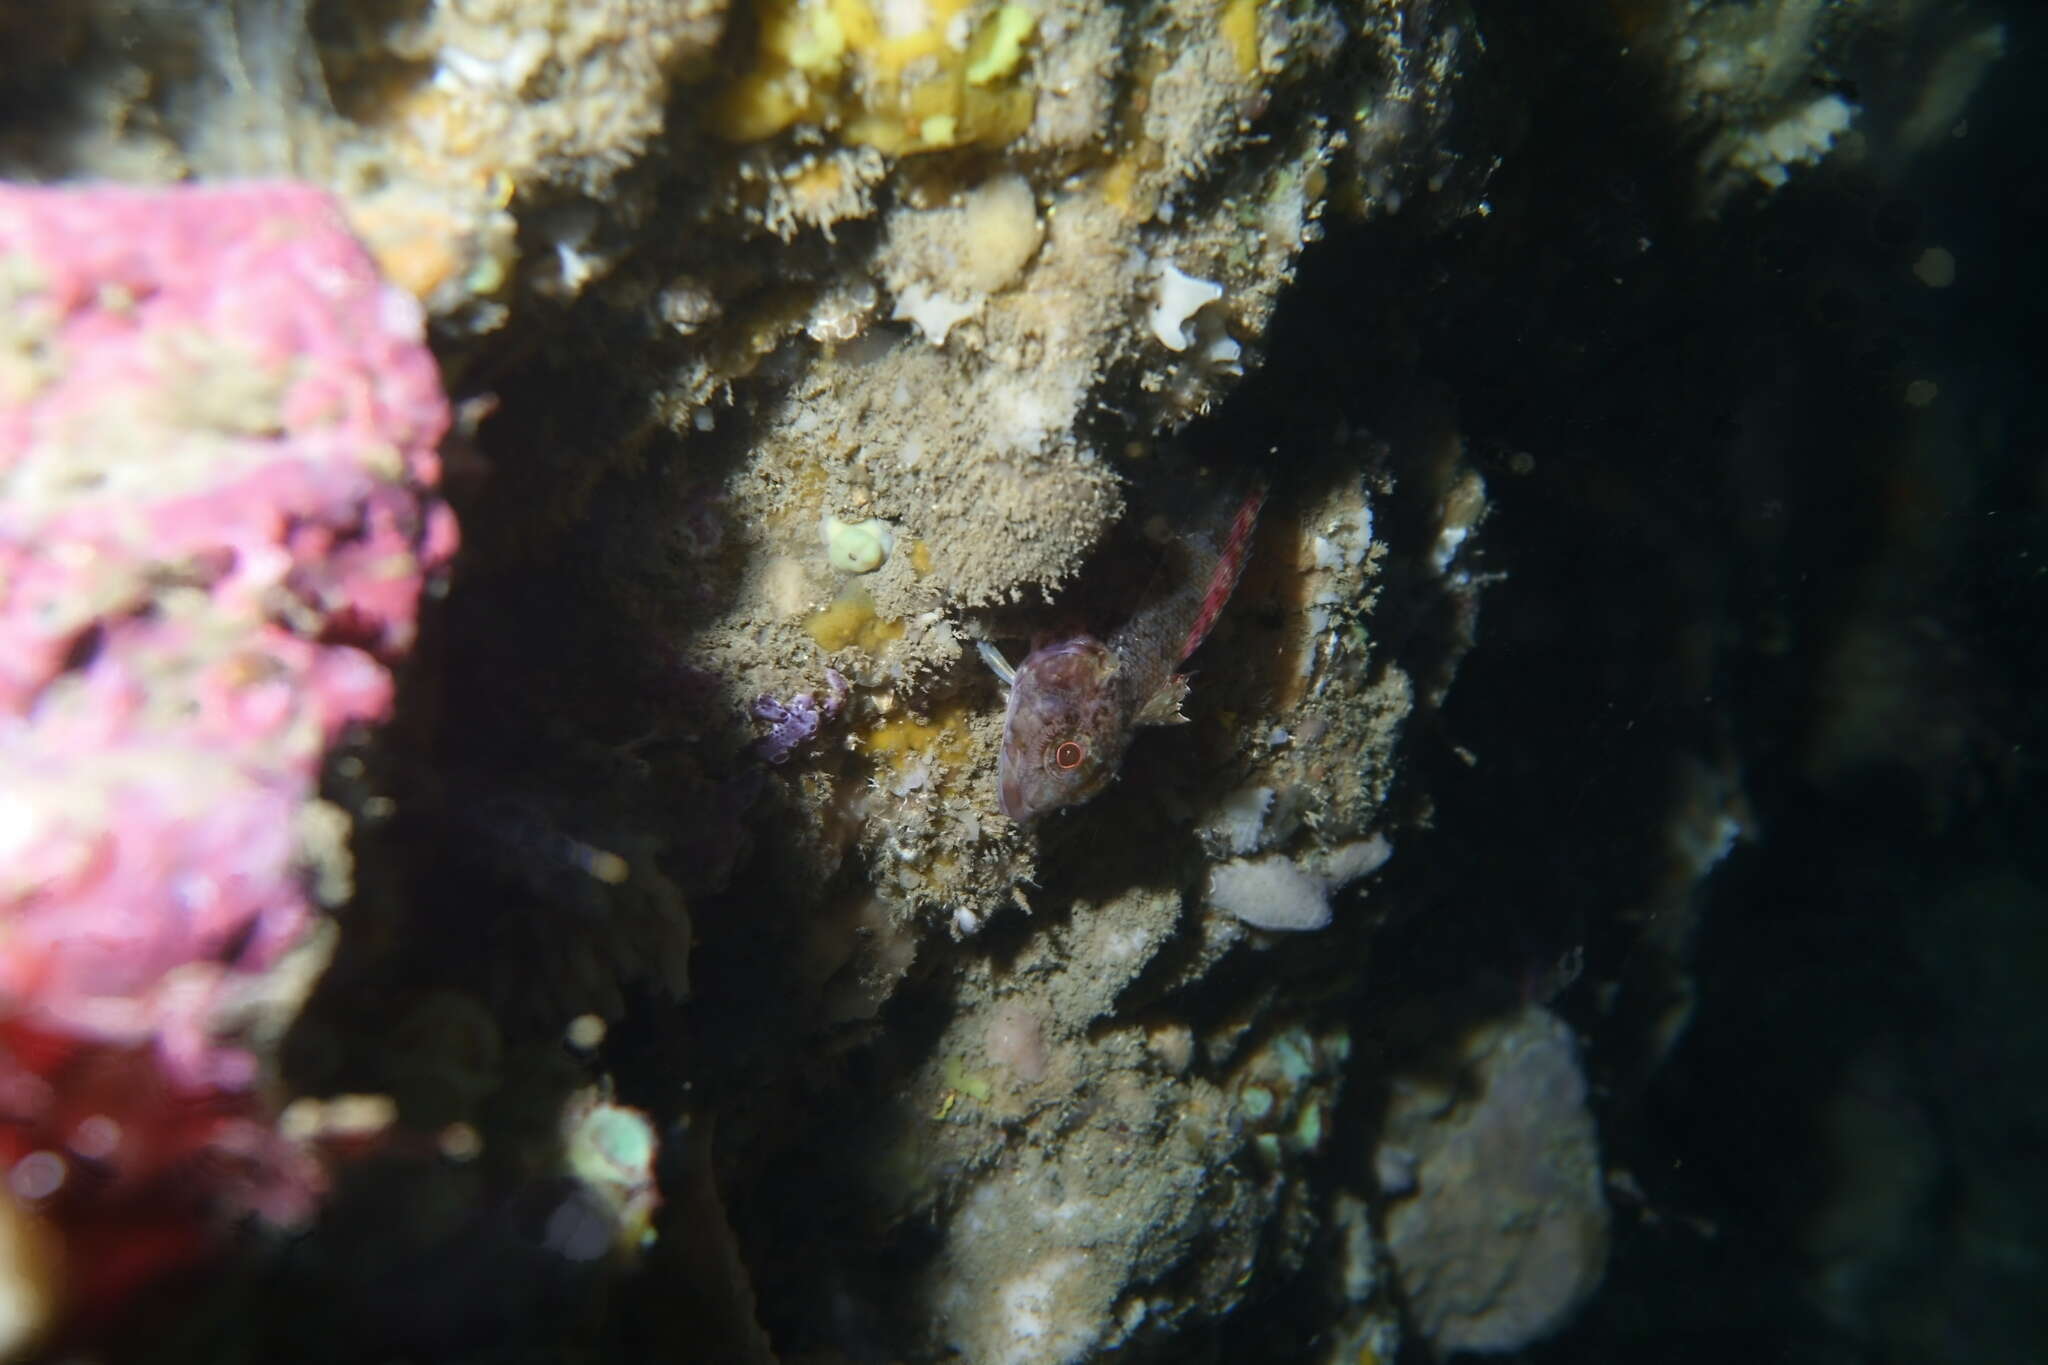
x: 795, y: 722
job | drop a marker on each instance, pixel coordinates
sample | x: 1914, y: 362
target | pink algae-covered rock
x: 218, y: 433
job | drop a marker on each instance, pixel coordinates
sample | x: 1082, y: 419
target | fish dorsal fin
x: 1163, y: 706
x: 1229, y: 567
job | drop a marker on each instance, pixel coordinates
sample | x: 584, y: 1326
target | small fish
x: 1076, y: 702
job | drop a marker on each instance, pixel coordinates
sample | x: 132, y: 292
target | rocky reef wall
x: 684, y: 987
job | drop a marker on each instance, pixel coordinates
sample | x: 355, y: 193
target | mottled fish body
x: 1076, y: 702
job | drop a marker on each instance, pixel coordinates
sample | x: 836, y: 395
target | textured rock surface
x: 1497, y: 1226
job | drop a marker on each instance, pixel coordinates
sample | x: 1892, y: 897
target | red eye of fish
x: 1068, y: 755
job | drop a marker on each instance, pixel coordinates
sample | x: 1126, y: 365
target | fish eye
x: 1068, y: 755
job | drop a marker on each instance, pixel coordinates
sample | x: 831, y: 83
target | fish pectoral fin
x: 1163, y: 706
x: 997, y: 664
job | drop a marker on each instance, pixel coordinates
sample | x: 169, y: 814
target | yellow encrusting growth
x: 1240, y: 24
x: 851, y: 621
x: 920, y: 558
x: 999, y: 44
x: 965, y: 1082
x: 819, y: 182
x: 905, y: 740
x: 862, y: 72
x: 1129, y: 184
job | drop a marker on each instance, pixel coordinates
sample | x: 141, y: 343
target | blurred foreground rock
x: 218, y: 434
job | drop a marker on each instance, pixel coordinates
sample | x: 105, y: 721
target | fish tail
x: 1237, y: 547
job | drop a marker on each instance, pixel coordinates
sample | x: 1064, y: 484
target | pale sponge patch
x: 942, y: 264
x: 1000, y: 231
x: 1276, y: 892
x: 1238, y: 823
x: 1270, y: 893
x: 1041, y: 1331
x: 1346, y: 863
x: 1015, y: 1040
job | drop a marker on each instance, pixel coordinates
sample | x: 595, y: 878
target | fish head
x: 1066, y: 730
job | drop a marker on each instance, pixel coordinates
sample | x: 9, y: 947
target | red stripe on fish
x: 1237, y: 546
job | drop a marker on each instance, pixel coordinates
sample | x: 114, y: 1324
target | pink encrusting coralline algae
x: 218, y: 449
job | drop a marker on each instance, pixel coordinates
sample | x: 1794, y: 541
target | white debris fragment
x: 934, y: 313
x: 1178, y: 298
